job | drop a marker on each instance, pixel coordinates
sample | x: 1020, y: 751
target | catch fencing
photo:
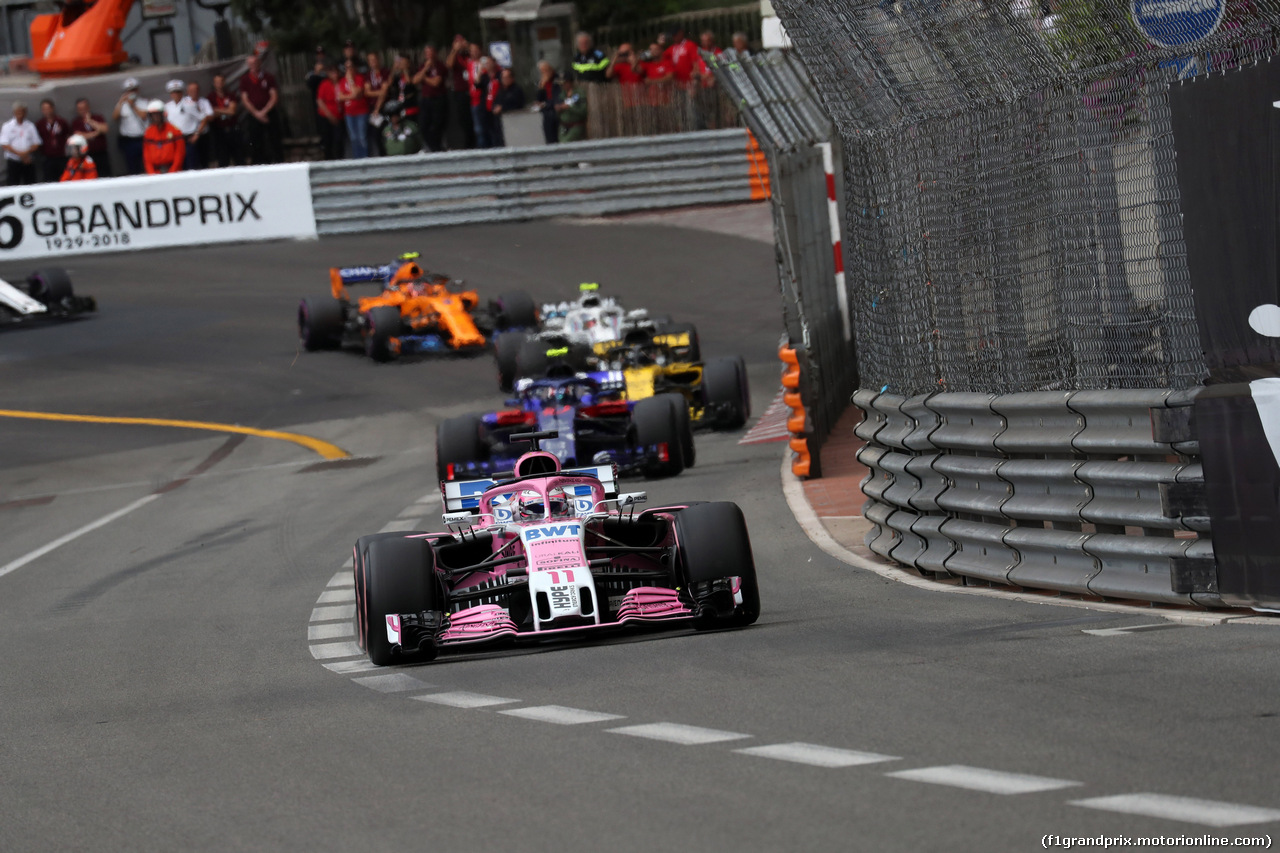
x: 508, y: 184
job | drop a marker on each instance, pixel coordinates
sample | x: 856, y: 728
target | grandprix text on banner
x: 154, y: 211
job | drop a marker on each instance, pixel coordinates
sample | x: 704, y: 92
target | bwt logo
x: 552, y: 531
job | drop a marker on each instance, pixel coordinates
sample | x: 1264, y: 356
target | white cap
x: 77, y: 140
x: 173, y: 86
x: 155, y: 106
x: 130, y: 83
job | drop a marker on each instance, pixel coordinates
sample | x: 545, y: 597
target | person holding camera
x: 131, y: 121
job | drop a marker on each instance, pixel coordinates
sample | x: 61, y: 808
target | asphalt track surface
x: 159, y: 681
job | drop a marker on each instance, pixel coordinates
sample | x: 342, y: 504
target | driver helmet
x: 77, y: 145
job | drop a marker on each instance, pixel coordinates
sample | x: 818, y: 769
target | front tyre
x: 381, y: 328
x: 654, y: 419
x: 394, y: 576
x: 714, y: 553
x: 724, y: 383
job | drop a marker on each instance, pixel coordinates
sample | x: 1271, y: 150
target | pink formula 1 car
x: 548, y: 552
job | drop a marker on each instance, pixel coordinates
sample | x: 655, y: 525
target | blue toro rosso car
x: 593, y: 422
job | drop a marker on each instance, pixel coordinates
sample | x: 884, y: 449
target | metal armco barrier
x: 507, y: 184
x: 1083, y: 492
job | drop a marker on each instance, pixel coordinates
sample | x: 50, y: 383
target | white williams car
x: 45, y: 295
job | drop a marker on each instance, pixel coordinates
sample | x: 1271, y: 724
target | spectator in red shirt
x: 706, y: 44
x: 94, y: 129
x: 659, y: 75
x: 352, y: 95
x: 629, y: 71
x: 330, y: 111
x: 222, y: 128
x: 259, y: 96
x: 461, y: 131
x: 482, y: 76
x: 433, y: 103
x: 681, y: 55
x: 54, y: 131
x: 377, y: 81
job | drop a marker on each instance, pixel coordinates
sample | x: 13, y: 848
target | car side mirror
x: 452, y: 518
x: 632, y: 498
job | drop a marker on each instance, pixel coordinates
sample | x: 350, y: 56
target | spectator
x: 54, y: 131
x: 590, y: 65
x: 707, y: 42
x: 222, y: 128
x: 433, y: 105
x: 80, y: 165
x: 330, y: 111
x: 629, y: 71
x: 131, y: 121
x: 481, y: 120
x: 572, y: 110
x: 189, y: 114
x: 355, y: 109
x: 94, y: 129
x: 163, y: 149
x: 20, y: 141
x: 508, y: 97
x: 401, y: 135
x: 461, y: 133
x: 681, y: 56
x: 740, y: 44
x: 549, y: 94
x: 349, y: 52
x: 314, y: 78
x: 376, y: 82
x: 657, y: 70
x: 259, y: 95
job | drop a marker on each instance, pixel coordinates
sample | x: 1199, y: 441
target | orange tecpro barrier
x: 758, y: 169
x: 84, y: 38
x: 796, y: 422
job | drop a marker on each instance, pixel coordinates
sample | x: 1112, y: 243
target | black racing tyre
x: 320, y: 322
x: 383, y: 324
x: 654, y: 419
x: 724, y: 384
x: 393, y: 575
x: 532, y: 361
x: 714, y: 546
x: 694, y: 351
x: 684, y: 427
x: 50, y: 285
x: 506, y: 349
x: 515, y: 310
x: 458, y: 441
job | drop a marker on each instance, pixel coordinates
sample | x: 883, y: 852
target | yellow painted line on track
x: 324, y: 448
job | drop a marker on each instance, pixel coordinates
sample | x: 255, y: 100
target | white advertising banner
x: 153, y: 211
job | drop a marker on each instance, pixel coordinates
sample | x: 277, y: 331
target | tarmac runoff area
x: 183, y: 678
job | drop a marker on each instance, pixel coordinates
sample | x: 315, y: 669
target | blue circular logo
x: 1177, y: 23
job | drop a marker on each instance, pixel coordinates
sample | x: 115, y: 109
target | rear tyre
x: 515, y: 310
x: 714, y: 550
x: 654, y: 419
x: 383, y: 324
x: 50, y: 285
x: 684, y: 427
x: 693, y: 350
x: 393, y: 576
x: 506, y: 349
x: 459, y: 441
x: 320, y: 322
x: 724, y: 382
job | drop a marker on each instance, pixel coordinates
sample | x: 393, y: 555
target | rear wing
x: 464, y: 495
x: 340, y: 277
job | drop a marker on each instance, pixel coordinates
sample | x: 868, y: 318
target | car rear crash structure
x: 547, y: 553
x: 47, y: 295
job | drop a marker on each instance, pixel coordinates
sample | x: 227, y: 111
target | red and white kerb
x: 833, y: 214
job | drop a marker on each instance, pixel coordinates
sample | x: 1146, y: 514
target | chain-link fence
x: 1011, y: 202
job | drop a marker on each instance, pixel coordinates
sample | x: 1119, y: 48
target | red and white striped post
x: 833, y: 214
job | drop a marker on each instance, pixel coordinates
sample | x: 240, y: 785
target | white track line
x: 394, y: 682
x: 343, y: 667
x: 330, y: 631
x: 980, y: 779
x: 816, y: 755
x: 463, y: 699
x: 327, y: 651
x: 1186, y: 809
x: 1131, y: 629
x: 678, y: 733
x: 560, y: 715
x: 340, y: 611
x: 336, y: 596
x: 342, y: 578
x: 75, y: 534
x: 399, y: 525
